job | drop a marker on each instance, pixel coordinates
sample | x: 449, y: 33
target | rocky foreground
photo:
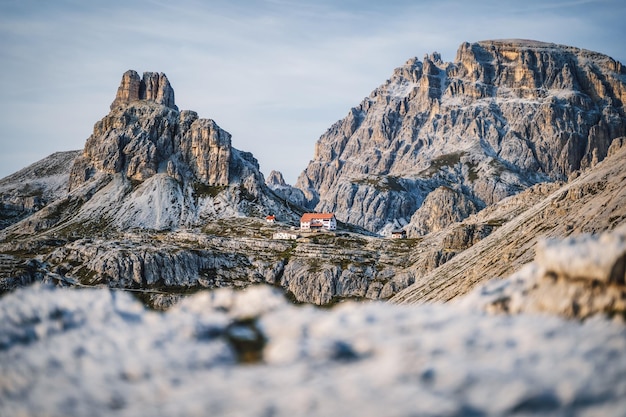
x: 99, y: 352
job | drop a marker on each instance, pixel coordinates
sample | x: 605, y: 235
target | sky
x: 276, y: 74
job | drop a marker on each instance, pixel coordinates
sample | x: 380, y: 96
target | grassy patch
x: 472, y: 172
x: 238, y: 227
x: 86, y: 276
x: 351, y: 242
x: 382, y: 183
x: 77, y: 230
x: 447, y: 160
x: 498, y: 167
x: 287, y: 253
x: 495, y: 222
x: 201, y: 190
x: 315, y: 266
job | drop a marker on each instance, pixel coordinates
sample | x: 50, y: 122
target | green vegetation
x: 496, y: 222
x: 201, y: 190
x: 382, y: 183
x: 315, y: 265
x: 405, y: 244
x: 286, y: 254
x: 238, y: 227
x: 472, y: 172
x: 350, y: 242
x: 74, y: 231
x: 86, y: 276
x: 447, y: 160
x: 498, y: 166
x: 58, y: 211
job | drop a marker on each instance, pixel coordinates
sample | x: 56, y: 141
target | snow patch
x: 401, y: 89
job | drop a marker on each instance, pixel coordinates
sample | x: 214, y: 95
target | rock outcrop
x: 148, y: 165
x: 160, y: 201
x: 578, y: 277
x: 275, y: 179
x: 152, y: 86
x: 441, y: 208
x: 503, y: 116
x: 252, y: 353
x: 142, y: 138
x: 285, y: 191
x: 593, y: 203
x: 32, y: 188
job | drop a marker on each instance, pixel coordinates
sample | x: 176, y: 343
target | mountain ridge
x: 502, y: 117
x: 160, y: 201
x: 592, y: 203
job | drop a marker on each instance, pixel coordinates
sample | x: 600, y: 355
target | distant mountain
x: 503, y: 116
x: 31, y: 188
x: 148, y: 165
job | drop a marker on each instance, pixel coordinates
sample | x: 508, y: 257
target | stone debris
x: 576, y: 277
x: 98, y: 352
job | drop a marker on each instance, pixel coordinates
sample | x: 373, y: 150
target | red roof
x: 270, y: 218
x: 307, y: 217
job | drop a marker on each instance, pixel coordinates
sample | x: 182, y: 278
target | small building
x: 270, y: 219
x: 284, y: 236
x: 318, y: 221
x: 398, y: 234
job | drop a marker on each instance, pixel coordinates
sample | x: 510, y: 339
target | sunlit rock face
x: 503, y: 116
x: 145, y: 134
x: 148, y: 165
x: 152, y: 86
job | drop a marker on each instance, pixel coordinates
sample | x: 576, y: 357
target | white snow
x: 97, y: 352
x: 401, y: 89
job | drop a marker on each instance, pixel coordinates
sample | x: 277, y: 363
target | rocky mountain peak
x: 275, y: 179
x: 505, y: 115
x: 153, y: 86
x: 149, y: 165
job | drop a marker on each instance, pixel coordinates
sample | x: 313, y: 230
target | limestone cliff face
x: 275, y: 179
x: 441, y: 208
x: 152, y: 86
x: 149, y: 165
x: 277, y: 183
x: 500, y: 118
x: 140, y: 138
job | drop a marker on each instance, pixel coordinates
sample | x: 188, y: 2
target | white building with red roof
x: 318, y: 221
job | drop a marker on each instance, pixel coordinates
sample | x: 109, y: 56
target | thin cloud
x: 274, y: 73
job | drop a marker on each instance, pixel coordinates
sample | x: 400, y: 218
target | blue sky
x: 275, y: 73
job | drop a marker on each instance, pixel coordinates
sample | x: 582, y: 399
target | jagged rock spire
x: 153, y: 86
x: 275, y: 179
